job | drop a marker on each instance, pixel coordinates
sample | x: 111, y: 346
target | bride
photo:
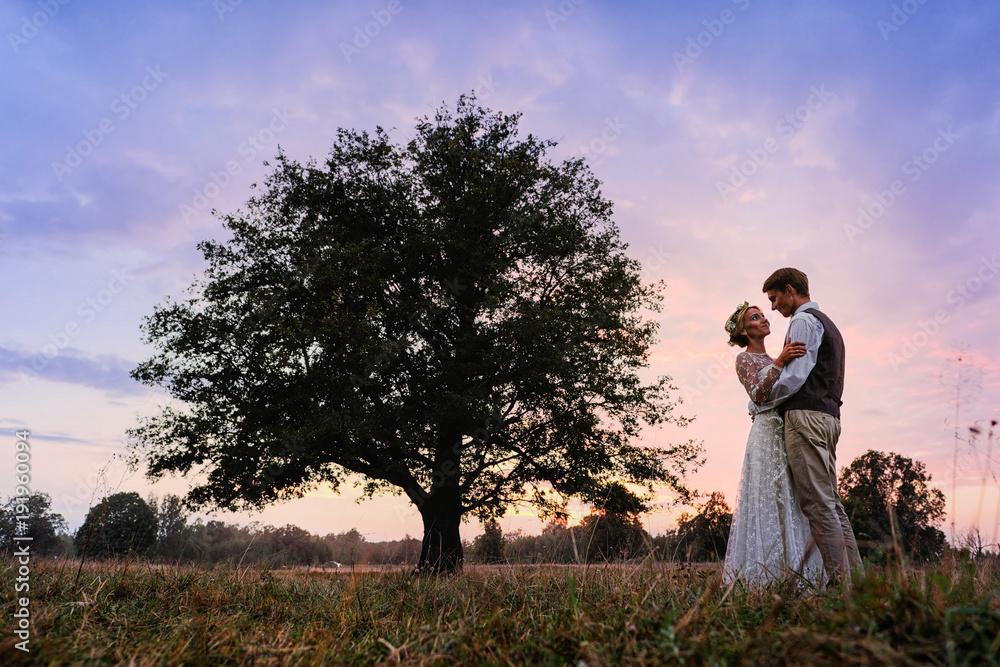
x: 769, y: 538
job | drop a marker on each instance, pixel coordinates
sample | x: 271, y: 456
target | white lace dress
x: 769, y: 537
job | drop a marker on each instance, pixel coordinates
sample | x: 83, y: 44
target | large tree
x: 454, y: 319
x: 877, y: 483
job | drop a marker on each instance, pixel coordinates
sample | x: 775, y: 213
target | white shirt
x: 807, y: 328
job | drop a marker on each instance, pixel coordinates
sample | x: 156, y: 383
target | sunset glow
x: 858, y: 142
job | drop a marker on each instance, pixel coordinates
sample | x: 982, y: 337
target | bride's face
x: 755, y: 324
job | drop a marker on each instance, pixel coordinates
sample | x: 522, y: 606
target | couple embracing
x: 789, y: 520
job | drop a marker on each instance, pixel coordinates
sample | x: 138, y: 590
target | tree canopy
x: 878, y: 483
x: 489, y: 547
x: 31, y: 516
x: 454, y: 319
x: 614, y: 532
x: 119, y: 524
x: 702, y: 537
x: 171, y: 520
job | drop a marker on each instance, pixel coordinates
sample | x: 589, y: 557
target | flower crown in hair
x: 731, y: 322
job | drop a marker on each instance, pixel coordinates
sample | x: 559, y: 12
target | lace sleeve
x: 757, y: 389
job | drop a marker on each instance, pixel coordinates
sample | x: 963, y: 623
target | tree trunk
x: 441, y: 551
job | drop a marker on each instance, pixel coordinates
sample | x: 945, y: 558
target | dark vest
x: 825, y: 385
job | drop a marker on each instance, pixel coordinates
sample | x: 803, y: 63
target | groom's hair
x: 788, y: 276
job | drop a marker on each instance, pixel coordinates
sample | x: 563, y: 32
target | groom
x: 807, y: 395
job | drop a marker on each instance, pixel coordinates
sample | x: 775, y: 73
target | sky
x: 857, y: 141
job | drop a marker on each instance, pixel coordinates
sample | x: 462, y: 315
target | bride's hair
x: 734, y: 326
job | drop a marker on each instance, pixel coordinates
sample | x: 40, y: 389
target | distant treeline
x: 159, y: 528
x: 893, y: 508
x: 217, y: 542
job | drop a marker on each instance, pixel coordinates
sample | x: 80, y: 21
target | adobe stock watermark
x: 363, y: 35
x: 37, y: 21
x: 88, y: 309
x: 956, y: 298
x: 223, y: 7
x: 899, y: 17
x: 914, y: 168
x: 786, y: 127
x: 248, y: 150
x: 721, y: 364
x: 714, y: 28
x: 566, y: 9
x: 122, y: 106
x: 654, y: 264
x: 609, y: 134
x: 22, y: 540
x: 489, y: 86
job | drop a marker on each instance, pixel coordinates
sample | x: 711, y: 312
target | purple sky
x: 856, y: 141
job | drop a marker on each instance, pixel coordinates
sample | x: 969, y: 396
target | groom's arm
x: 807, y: 328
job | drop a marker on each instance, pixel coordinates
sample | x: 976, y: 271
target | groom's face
x: 782, y: 301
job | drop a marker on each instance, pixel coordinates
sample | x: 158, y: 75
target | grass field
x: 135, y: 614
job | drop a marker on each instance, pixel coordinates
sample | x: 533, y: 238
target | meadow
x: 132, y: 613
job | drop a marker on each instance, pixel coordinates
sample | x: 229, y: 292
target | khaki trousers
x: 811, y: 444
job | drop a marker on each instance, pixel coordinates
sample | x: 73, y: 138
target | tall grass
x: 125, y: 613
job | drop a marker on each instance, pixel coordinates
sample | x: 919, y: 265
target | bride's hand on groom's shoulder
x: 792, y: 350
